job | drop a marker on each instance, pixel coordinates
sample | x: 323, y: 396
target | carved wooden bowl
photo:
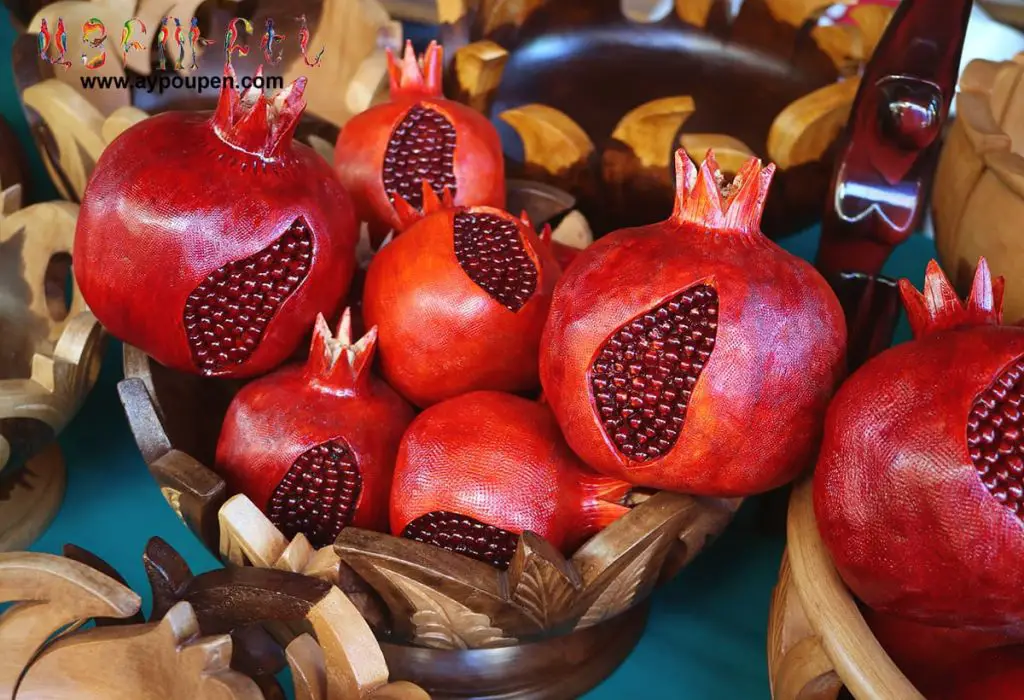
x: 50, y: 351
x: 549, y: 627
x: 600, y: 100
x: 979, y: 185
x: 67, y: 121
x: 818, y: 641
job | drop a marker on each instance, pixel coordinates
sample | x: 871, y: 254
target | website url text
x: 196, y: 83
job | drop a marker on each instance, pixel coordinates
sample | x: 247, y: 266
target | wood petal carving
x: 499, y: 13
x: 552, y: 142
x: 650, y: 129
x: 542, y: 582
x: 804, y: 130
x: 630, y: 584
x: 478, y: 71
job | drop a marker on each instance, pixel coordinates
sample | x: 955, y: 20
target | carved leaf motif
x: 627, y: 586
x: 542, y: 582
x: 443, y: 623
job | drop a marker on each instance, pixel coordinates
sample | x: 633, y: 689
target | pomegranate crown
x: 701, y: 199
x: 937, y: 307
x: 432, y: 202
x: 334, y: 360
x: 252, y: 123
x: 408, y: 77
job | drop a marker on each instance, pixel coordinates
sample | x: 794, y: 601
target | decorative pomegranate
x: 214, y: 254
x: 314, y: 446
x: 476, y: 471
x: 670, y: 345
x: 994, y: 675
x: 918, y: 488
x: 930, y: 657
x: 459, y: 299
x: 389, y: 149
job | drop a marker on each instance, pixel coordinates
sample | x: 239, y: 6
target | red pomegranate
x: 669, y: 346
x: 994, y: 675
x: 210, y: 242
x: 314, y: 446
x: 389, y: 149
x: 918, y: 488
x: 930, y: 657
x: 459, y: 299
x: 476, y: 471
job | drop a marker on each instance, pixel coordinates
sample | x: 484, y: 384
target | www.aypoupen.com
x: 196, y: 83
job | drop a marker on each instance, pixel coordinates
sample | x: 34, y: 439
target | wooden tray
x: 600, y: 101
x: 979, y: 186
x: 818, y: 641
x: 50, y: 352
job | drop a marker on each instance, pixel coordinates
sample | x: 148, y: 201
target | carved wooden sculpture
x: 67, y: 120
x: 604, y: 119
x: 51, y: 353
x: 886, y: 160
x: 979, y: 185
x: 171, y: 657
x: 818, y: 641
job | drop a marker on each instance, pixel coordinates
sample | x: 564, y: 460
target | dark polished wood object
x: 887, y: 159
x: 599, y: 69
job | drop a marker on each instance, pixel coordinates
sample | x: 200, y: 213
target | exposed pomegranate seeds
x: 644, y: 375
x: 464, y: 535
x: 491, y: 252
x: 994, y: 438
x: 227, y: 314
x: 422, y: 147
x: 318, y: 494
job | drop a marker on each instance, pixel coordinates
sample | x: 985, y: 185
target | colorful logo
x: 171, y: 42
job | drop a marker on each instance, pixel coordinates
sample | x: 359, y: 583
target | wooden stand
x: 51, y: 354
x: 604, y: 119
x: 978, y: 199
x: 818, y: 641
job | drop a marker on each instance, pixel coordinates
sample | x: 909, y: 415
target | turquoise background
x: 707, y: 633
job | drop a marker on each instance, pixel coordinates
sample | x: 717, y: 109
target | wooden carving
x: 979, y: 184
x: 50, y: 352
x: 172, y: 657
x: 818, y: 641
x: 604, y: 121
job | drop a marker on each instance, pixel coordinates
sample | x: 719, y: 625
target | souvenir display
x: 459, y: 300
x: 418, y: 136
x: 979, y: 185
x: 261, y: 237
x: 656, y: 357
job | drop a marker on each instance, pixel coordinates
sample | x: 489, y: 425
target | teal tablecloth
x: 707, y: 633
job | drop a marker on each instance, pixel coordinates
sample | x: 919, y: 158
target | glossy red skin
x: 500, y: 459
x: 363, y: 142
x: 778, y: 356
x: 169, y: 203
x: 441, y: 335
x: 994, y: 675
x: 929, y: 656
x: 274, y: 419
x: 911, y: 528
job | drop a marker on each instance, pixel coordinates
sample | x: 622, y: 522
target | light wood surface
x: 478, y: 70
x: 552, y: 141
x: 803, y: 131
x: 817, y: 635
x: 979, y: 184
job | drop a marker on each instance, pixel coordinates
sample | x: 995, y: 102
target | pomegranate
x: 314, y: 445
x: 476, y: 471
x: 388, y: 150
x: 215, y: 254
x: 929, y: 656
x: 918, y: 488
x: 668, y: 346
x: 459, y: 299
x: 994, y: 675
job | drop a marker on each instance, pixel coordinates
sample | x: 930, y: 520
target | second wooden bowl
x: 818, y: 641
